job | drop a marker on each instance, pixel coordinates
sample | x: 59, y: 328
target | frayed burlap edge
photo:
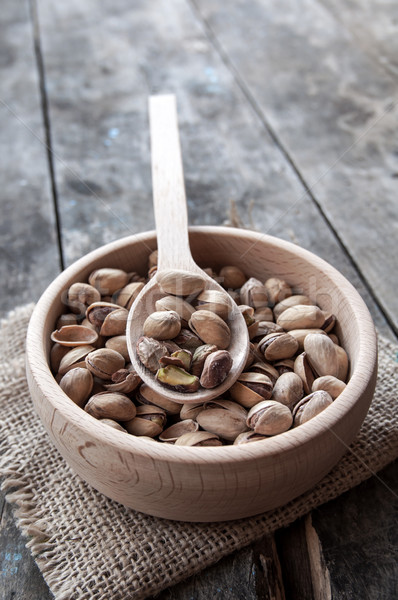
x: 143, y: 554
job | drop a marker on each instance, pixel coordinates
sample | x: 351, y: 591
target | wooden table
x: 288, y: 117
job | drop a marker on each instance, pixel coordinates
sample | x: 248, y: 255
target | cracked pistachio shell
x: 150, y: 351
x: 249, y: 436
x: 277, y: 346
x: 231, y: 277
x: 199, y: 438
x: 111, y: 405
x: 107, y: 280
x: 321, y: 354
x: 113, y: 424
x: 251, y: 388
x: 252, y: 324
x: 301, y: 334
x: 224, y: 418
x: 123, y: 380
x: 80, y: 296
x: 266, y: 328
x: 98, y: 311
x: 126, y: 296
x: 216, y: 368
x: 289, y: 302
x: 115, y: 323
x: 210, y: 328
x: 199, y: 357
x: 190, y: 411
x: 286, y: 365
x: 178, y: 305
x: 149, y: 421
x: 74, y: 358
x: 181, y: 283
x: 301, y: 316
x: 118, y: 343
x: 172, y: 433
x: 303, y: 370
x: 162, y: 325
x: 147, y: 396
x: 77, y: 384
x: 178, y: 379
x: 266, y: 369
x: 253, y: 293
x: 104, y: 362
x: 269, y: 418
x: 288, y: 389
x: 310, y: 406
x: 329, y: 384
x: 277, y: 290
x: 74, y: 335
x: 215, y: 301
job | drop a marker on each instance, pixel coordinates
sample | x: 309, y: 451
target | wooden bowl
x: 213, y: 483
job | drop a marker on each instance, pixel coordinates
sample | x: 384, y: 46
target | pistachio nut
x: 178, y: 379
x: 111, y: 405
x: 188, y: 340
x: 248, y: 315
x: 178, y: 305
x: 172, y: 433
x: 135, y: 277
x: 342, y: 362
x: 210, y: 328
x: 303, y: 370
x: 289, y: 302
x: 66, y: 319
x: 146, y: 395
x: 215, y: 301
x: 149, y: 421
x: 224, y: 418
x: 113, y: 424
x: 198, y: 438
x: 277, y: 346
x: 266, y: 328
x: 321, y: 354
x: 118, y: 343
x: 180, y: 358
x: 301, y: 334
x: 301, y: 316
x: 277, y: 290
x: 288, y: 389
x: 74, y: 358
x: 74, y: 335
x: 269, y: 418
x: 285, y: 365
x: 334, y: 338
x: 97, y: 312
x: 104, y: 362
x: 162, y: 325
x: 107, y: 280
x: 216, y: 368
x: 126, y: 296
x: 150, y: 351
x: 123, y: 380
x: 329, y: 384
x: 199, y: 357
x: 251, y: 388
x: 80, y: 296
x: 181, y: 283
x: 253, y: 293
x: 77, y: 384
x: 57, y: 353
x: 115, y: 323
x: 264, y: 314
x: 266, y: 369
x: 190, y: 411
x: 310, y: 406
x: 249, y: 436
x: 232, y: 277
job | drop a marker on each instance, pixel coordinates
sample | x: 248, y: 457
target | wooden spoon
x: 174, y: 252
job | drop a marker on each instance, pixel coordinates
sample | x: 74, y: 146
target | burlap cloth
x: 91, y: 548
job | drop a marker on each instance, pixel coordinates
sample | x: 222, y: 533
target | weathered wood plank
x: 28, y: 246
x: 334, y: 111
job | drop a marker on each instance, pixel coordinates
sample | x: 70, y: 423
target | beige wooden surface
x: 270, y: 100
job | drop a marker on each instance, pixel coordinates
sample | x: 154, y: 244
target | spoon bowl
x: 174, y: 254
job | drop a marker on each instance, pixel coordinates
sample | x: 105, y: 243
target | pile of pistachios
x: 295, y: 369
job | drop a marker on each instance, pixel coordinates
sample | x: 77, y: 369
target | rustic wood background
x: 288, y: 114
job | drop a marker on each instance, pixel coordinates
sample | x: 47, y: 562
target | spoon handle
x: 169, y: 198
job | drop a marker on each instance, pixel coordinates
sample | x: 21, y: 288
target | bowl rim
x: 360, y: 379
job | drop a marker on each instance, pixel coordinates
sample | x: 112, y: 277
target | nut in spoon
x: 176, y: 267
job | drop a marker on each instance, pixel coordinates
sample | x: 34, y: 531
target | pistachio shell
x: 329, y: 384
x: 149, y: 421
x: 146, y: 395
x: 181, y: 283
x: 104, y: 362
x: 321, y: 354
x: 265, y: 368
x: 150, y: 351
x: 264, y: 314
x: 303, y: 370
x: 199, y: 357
x: 254, y: 293
x: 118, y: 343
x: 289, y: 302
x: 231, y: 277
x: 67, y: 319
x: 288, y: 389
x: 249, y: 436
x: 210, y: 328
x: 224, y: 418
x: 98, y: 311
x: 190, y: 411
x: 277, y: 290
x: 301, y: 316
x: 180, y: 358
x: 215, y: 301
x: 107, y: 280
x: 199, y: 438
x: 74, y: 358
x: 153, y: 259
x: 74, y: 335
x: 310, y: 406
x: 342, y: 361
x: 188, y: 340
x: 123, y: 380
x: 113, y: 424
x: 115, y: 323
x: 126, y: 296
x: 277, y: 346
x: 77, y: 384
x: 162, y: 325
x: 178, y: 305
x: 269, y: 418
x: 172, y: 433
x: 301, y: 334
x: 80, y: 296
x: 111, y: 405
x: 216, y: 368
x: 57, y: 353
